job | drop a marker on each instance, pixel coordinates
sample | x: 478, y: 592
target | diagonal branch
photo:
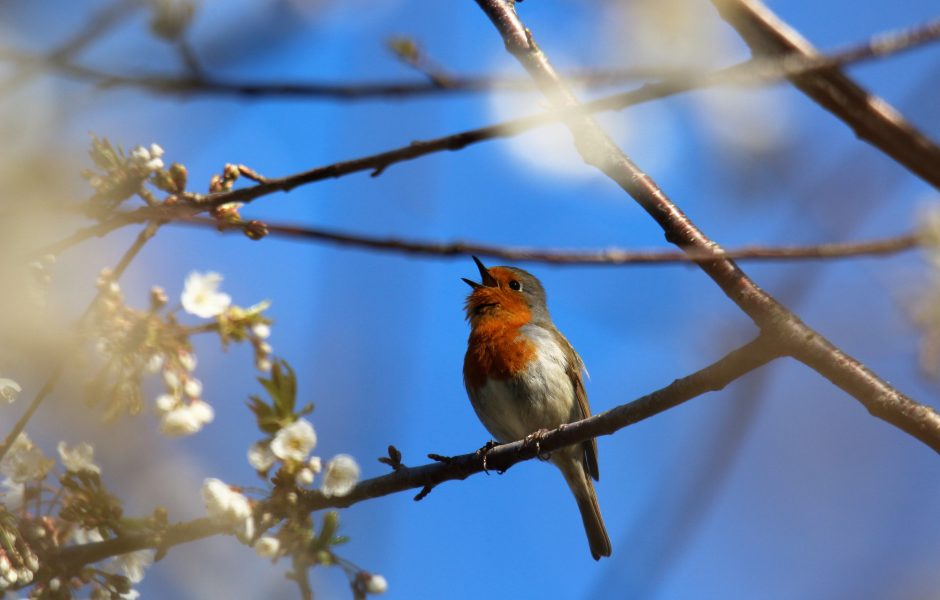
x: 598, y: 150
x: 870, y: 117
x: 712, y: 378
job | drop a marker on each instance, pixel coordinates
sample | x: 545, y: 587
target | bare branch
x: 608, y: 256
x: 598, y: 150
x: 872, y: 119
x: 671, y: 80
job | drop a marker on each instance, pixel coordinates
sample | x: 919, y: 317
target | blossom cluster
x: 86, y: 514
x: 135, y: 342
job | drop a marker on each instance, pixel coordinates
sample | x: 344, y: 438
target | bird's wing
x: 575, y: 370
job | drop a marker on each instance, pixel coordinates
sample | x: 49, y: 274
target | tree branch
x: 598, y: 150
x: 607, y: 256
x: 870, y: 117
x: 712, y: 378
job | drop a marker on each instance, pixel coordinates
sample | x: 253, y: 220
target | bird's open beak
x: 488, y: 280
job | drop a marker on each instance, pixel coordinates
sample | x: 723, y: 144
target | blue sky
x: 778, y: 487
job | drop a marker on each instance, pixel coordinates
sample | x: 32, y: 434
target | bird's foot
x: 536, y: 438
x: 484, y: 451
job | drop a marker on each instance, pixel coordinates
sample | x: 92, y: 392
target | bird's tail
x: 584, y: 493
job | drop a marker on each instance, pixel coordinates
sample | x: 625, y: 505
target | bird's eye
x: 515, y: 285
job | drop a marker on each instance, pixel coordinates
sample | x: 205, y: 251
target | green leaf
x: 327, y: 531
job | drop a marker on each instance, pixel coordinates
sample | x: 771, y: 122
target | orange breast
x: 495, y: 350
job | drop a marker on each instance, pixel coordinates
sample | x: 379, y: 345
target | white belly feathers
x: 540, y: 397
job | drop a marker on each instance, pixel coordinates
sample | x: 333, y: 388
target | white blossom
x: 201, y: 296
x: 928, y: 230
x: 260, y: 456
x: 342, y: 474
x: 223, y: 503
x: 186, y: 419
x: 165, y: 403
x: 149, y: 159
x: 376, y: 584
x: 263, y: 365
x: 245, y: 530
x: 9, y: 389
x: 267, y: 546
x: 188, y: 360
x: 171, y: 379
x: 315, y: 464
x: 86, y: 536
x: 12, y: 495
x: 203, y: 411
x: 80, y: 458
x: 24, y: 461
x: 133, y: 564
x: 295, y: 441
x: 261, y: 330
x: 154, y: 363
x: 193, y: 387
x: 304, y: 476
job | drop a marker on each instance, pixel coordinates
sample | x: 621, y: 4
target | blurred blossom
x: 12, y: 495
x: 148, y: 158
x: 133, y: 564
x: 201, y: 296
x: 260, y: 456
x: 24, y: 461
x: 267, y: 547
x: 9, y: 389
x: 186, y: 419
x: 342, y: 474
x: 295, y: 441
x: 926, y: 308
x: 79, y: 458
x: 228, y: 506
x: 304, y: 477
x: 193, y: 388
x: 928, y: 232
x: 376, y: 584
x: 82, y: 536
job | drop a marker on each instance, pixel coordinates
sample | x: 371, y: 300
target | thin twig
x: 709, y: 379
x: 608, y: 256
x: 671, y: 80
x: 597, y: 149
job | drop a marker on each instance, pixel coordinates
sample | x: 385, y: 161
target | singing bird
x: 523, y: 376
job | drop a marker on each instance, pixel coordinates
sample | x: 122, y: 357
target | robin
x: 524, y: 377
